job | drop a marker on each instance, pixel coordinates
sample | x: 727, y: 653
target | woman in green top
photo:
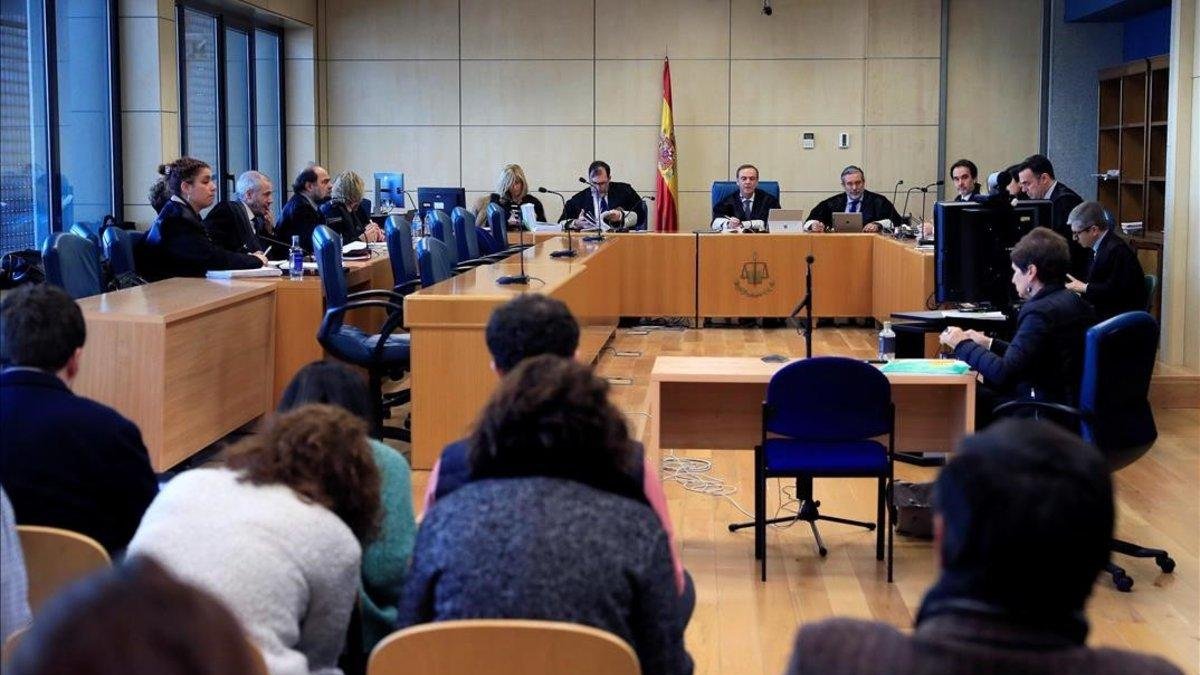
x: 386, y: 560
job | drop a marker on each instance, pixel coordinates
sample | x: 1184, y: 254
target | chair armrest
x: 1016, y: 406
x: 376, y: 293
x: 404, y: 288
x: 335, y: 314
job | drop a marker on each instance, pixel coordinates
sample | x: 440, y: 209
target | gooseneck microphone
x: 807, y: 305
x: 569, y: 251
x: 925, y: 191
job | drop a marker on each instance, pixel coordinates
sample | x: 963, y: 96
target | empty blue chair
x: 819, y: 420
x: 433, y: 259
x: 1114, y: 412
x: 383, y: 353
x: 403, y: 259
x: 466, y: 236
x: 73, y: 264
x: 497, y: 218
x: 118, y: 248
x: 84, y: 230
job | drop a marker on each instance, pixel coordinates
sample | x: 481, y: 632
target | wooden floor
x: 744, y: 626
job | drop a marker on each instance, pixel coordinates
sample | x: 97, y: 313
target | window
x: 57, y: 124
x: 231, y: 105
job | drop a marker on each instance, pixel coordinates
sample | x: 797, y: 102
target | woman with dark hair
x: 177, y: 244
x: 135, y: 619
x: 277, y: 533
x: 551, y: 525
x: 386, y: 559
x: 1044, y: 359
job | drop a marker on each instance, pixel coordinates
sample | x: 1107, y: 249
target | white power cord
x: 693, y: 475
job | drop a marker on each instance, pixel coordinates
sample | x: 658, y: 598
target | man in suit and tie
x: 1038, y: 182
x: 236, y: 224
x: 965, y: 175
x: 619, y: 203
x: 1115, y: 282
x: 745, y: 207
x: 876, y: 209
x: 301, y: 215
x: 65, y: 461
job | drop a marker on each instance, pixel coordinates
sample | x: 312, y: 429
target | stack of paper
x: 244, y: 274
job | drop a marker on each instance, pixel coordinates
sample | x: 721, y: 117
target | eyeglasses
x: 1075, y: 233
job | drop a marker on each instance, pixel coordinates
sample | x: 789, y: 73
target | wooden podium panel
x: 187, y: 360
x: 842, y: 273
x: 902, y: 278
x: 752, y: 274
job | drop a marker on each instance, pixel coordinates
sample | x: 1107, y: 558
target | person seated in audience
x: 237, y: 224
x: 1023, y: 520
x: 301, y: 214
x: 65, y: 461
x: 1016, y: 193
x: 277, y: 533
x: 618, y: 202
x: 550, y: 461
x: 158, y: 195
x: 877, y: 211
x: 1044, y: 359
x: 531, y: 325
x: 746, y: 207
x: 385, y: 560
x: 134, y: 619
x: 1115, y: 281
x: 176, y: 244
x: 14, y: 584
x: 512, y: 190
x: 965, y: 176
x: 341, y: 211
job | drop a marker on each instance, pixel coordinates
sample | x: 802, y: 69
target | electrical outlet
x: 808, y: 141
x: 843, y: 140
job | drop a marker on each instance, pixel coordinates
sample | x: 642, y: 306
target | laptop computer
x: 847, y: 222
x: 785, y: 221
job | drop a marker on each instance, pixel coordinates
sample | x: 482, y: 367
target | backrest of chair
x: 400, y: 249
x: 118, y: 248
x: 85, y: 231
x: 829, y: 398
x: 72, y: 263
x: 464, y: 233
x: 327, y: 249
x: 1151, y: 287
x: 503, y: 647
x: 433, y: 259
x: 643, y: 215
x: 487, y: 243
x: 497, y: 219
x: 442, y: 228
x: 1118, y: 361
x: 55, y: 557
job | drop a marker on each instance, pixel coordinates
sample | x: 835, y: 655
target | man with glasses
x: 1115, y: 282
x: 876, y: 210
x: 617, y: 202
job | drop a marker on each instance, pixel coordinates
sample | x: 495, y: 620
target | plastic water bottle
x: 296, y: 268
x: 887, y: 342
x: 418, y: 230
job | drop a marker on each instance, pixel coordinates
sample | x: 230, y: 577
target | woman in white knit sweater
x: 277, y: 533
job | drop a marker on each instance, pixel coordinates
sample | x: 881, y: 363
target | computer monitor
x: 389, y: 190
x: 971, y: 252
x: 1033, y: 213
x: 444, y: 198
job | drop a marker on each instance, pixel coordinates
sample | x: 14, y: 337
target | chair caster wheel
x: 823, y: 551
x: 733, y: 528
x: 1124, y: 583
x: 1165, y: 563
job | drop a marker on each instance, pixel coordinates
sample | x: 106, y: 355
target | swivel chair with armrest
x: 385, y: 353
x: 406, y: 278
x: 1114, y: 411
x: 72, y: 263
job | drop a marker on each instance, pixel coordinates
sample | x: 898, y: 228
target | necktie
x: 853, y: 206
x: 746, y: 207
x: 603, y: 204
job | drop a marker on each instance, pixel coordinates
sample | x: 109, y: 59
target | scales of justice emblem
x: 755, y: 280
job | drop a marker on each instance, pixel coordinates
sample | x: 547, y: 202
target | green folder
x: 926, y: 366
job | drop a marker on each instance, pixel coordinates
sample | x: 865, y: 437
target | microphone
x: 907, y: 194
x: 936, y: 183
x: 558, y: 194
x: 569, y: 251
x: 896, y: 190
x: 803, y: 303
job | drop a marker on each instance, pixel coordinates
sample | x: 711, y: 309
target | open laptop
x: 786, y: 221
x: 847, y: 222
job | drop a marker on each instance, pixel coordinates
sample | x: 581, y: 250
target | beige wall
x: 993, y: 82
x: 448, y: 91
x: 1181, y: 275
x: 150, y: 90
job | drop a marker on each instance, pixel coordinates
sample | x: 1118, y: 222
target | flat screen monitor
x: 444, y: 198
x: 389, y: 190
x: 971, y: 252
x: 1033, y: 213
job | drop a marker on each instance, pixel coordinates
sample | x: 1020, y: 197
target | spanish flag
x: 666, y: 189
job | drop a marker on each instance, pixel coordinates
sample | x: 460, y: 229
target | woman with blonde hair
x: 341, y: 210
x: 512, y: 190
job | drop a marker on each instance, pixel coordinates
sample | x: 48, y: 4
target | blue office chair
x: 84, y: 230
x: 403, y: 259
x: 73, y: 264
x: 433, y: 259
x: 820, y: 419
x: 465, y: 239
x: 384, y: 353
x: 497, y: 219
x: 1114, y: 411
x: 118, y: 249
x: 723, y: 188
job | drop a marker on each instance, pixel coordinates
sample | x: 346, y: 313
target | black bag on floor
x: 912, y: 509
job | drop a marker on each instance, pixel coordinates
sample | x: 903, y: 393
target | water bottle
x: 418, y: 229
x: 887, y: 342
x: 296, y: 270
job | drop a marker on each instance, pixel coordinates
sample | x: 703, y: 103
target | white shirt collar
x: 1050, y: 192
x: 249, y: 213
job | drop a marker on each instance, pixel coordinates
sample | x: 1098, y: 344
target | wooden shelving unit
x: 1133, y: 141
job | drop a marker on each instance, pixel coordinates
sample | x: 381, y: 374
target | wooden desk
x: 188, y: 360
x: 716, y: 403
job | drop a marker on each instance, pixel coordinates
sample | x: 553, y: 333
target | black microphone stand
x: 895, y: 193
x: 924, y: 192
x: 521, y: 278
x: 807, y: 305
x: 569, y: 251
